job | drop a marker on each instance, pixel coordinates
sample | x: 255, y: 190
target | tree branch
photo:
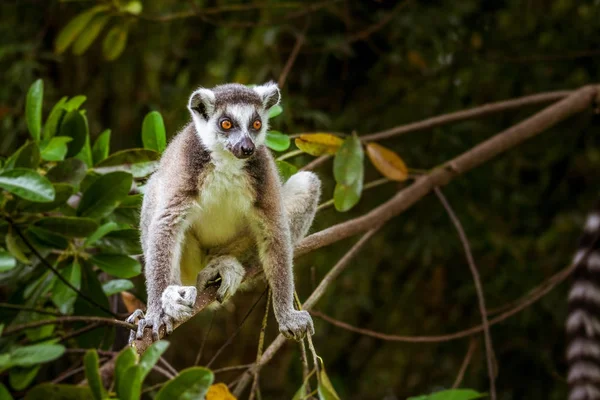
x: 106, y: 321
x: 465, y: 364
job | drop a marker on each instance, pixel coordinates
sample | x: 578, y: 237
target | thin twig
x: 169, y: 366
x: 59, y: 320
x: 311, y: 347
x: 80, y: 331
x: 305, y: 370
x: 30, y: 309
x: 489, y: 349
x: 290, y: 154
x: 292, y: 58
x: 261, y: 343
x: 163, y: 372
x: 465, y: 363
x: 232, y: 368
x: 365, y: 33
x: 205, y: 338
x: 370, y: 185
x: 153, y: 387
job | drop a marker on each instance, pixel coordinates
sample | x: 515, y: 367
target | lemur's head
x: 233, y: 118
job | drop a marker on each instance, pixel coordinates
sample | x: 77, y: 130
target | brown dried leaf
x: 131, y: 302
x: 387, y: 162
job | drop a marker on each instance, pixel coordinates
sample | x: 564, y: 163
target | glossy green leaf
x: 452, y: 394
x: 89, y: 34
x: 154, y: 135
x: 92, y: 374
x: 48, y: 391
x: 348, y: 162
x: 151, y: 356
x: 325, y: 388
x: 114, y: 42
x: 74, y: 125
x: 277, y: 141
x: 104, y: 195
x: 27, y: 184
x: 29, y: 356
x: 45, y: 238
x: 20, y: 378
x: 191, y: 383
x: 132, y: 201
x: 346, y: 196
x: 55, y: 149
x: 85, y: 154
x: 139, y: 162
x: 117, y: 286
x: 71, y: 171
x: 63, y: 296
x: 101, y: 232
x: 54, y: 119
x: 125, y: 241
x: 7, y: 261
x: 4, y: 393
x: 286, y: 170
x: 33, y: 109
x: 63, y: 192
x: 72, y: 30
x: 130, y: 385
x: 117, y: 265
x: 27, y: 156
x: 126, y: 359
x: 68, y: 226
x: 101, y: 147
x: 74, y: 103
x: 14, y: 248
x: 275, y: 111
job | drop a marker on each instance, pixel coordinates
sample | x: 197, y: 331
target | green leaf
x: 151, y: 356
x: 325, y: 388
x: 286, y: 170
x: 101, y: 232
x: 121, y: 241
x: 452, y: 394
x: 20, y: 378
x: 87, y: 37
x: 277, y: 141
x: 45, y: 238
x: 68, y: 226
x: 133, y: 7
x: 5, y: 394
x: 126, y: 359
x: 130, y: 385
x: 92, y: 374
x: 27, y: 156
x: 74, y: 125
x: 348, y: 163
x: 117, y: 286
x: 63, y: 296
x: 7, y: 261
x: 14, y: 248
x: 85, y: 154
x: 54, y: 119
x: 101, y: 147
x: 51, y: 391
x: 71, y: 171
x: 154, y: 135
x: 29, y: 356
x: 346, y: 196
x: 27, y: 184
x: 114, y: 42
x: 70, y: 32
x: 75, y: 103
x: 33, y: 109
x: 191, y: 383
x: 117, y: 265
x: 275, y: 111
x: 139, y: 162
x: 55, y: 149
x: 104, y: 195
x: 63, y: 192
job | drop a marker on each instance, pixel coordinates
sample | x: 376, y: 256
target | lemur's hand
x: 177, y: 304
x: 229, y: 270
x: 295, y: 324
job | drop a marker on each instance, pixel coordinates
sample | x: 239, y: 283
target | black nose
x: 247, y: 149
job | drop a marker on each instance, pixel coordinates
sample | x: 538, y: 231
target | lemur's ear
x: 202, y: 102
x: 269, y: 93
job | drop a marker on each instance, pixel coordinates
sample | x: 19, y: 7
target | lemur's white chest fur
x: 219, y: 215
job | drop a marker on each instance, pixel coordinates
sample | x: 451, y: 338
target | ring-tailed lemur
x: 215, y: 204
x: 583, y: 320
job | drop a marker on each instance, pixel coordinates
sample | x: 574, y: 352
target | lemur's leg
x: 301, y: 195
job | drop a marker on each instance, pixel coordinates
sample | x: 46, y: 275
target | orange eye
x: 257, y: 124
x: 226, y: 124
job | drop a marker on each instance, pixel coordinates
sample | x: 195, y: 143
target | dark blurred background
x: 366, y: 66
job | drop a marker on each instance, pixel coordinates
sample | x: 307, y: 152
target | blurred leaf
x: 277, y: 141
x: 100, y: 232
x: 347, y: 196
x: 452, y: 394
x: 29, y: 356
x: 51, y: 391
x: 27, y: 184
x: 33, y: 109
x: 275, y: 111
x: 154, y: 135
x: 130, y: 385
x: 125, y: 241
x: 126, y: 359
x: 191, y: 383
x: 325, y: 389
x: 63, y: 296
x: 118, y: 265
x: 114, y: 42
x: 286, y: 170
x: 348, y: 162
x: 219, y: 391
x: 20, y: 378
x: 132, y: 201
x: 104, y: 195
x: 92, y: 374
x: 139, y: 162
x: 85, y: 154
x: 151, y: 356
x: 27, y: 156
x: 71, y: 171
x: 70, y: 32
x: 387, y: 162
x: 74, y: 103
x: 317, y: 144
x: 45, y: 238
x: 101, y: 147
x: 63, y: 192
x: 68, y: 226
x: 4, y: 393
x: 115, y: 286
x: 7, y: 261
x: 54, y: 119
x: 55, y: 149
x: 133, y: 7
x: 301, y: 394
x: 131, y: 302
x: 87, y: 37
x: 74, y: 126
x: 12, y: 245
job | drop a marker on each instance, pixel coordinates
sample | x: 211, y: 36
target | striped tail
x: 583, y: 320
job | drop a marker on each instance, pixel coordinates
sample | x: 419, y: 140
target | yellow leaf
x: 317, y: 144
x: 219, y: 391
x: 387, y: 162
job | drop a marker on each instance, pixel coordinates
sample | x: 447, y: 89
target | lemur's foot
x: 229, y: 270
x: 295, y: 324
x: 177, y: 305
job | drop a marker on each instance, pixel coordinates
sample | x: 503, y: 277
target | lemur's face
x: 232, y: 118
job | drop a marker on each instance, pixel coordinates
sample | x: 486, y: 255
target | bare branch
x: 292, y: 58
x: 106, y: 321
x: 30, y: 309
x: 465, y: 363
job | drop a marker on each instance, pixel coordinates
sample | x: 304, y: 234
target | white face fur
x: 232, y: 119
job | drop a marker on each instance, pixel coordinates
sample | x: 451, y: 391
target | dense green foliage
x: 72, y: 188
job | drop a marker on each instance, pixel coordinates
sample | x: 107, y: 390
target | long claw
x: 141, y: 326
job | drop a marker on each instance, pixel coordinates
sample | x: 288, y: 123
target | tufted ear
x: 202, y: 103
x: 269, y: 93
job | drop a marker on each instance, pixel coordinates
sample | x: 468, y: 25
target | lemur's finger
x: 168, y: 325
x: 140, y: 329
x: 155, y: 335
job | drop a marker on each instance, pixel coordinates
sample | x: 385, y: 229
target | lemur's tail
x: 583, y: 319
